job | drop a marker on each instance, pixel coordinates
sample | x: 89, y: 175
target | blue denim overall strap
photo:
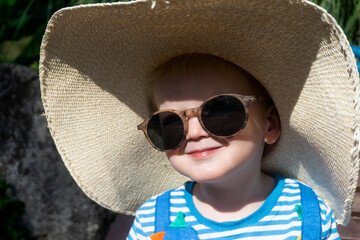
x: 162, y: 221
x: 162, y: 212
x: 311, y: 223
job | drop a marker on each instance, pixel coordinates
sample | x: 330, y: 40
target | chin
x: 206, y: 178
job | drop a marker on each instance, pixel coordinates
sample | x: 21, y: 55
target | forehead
x: 194, y: 81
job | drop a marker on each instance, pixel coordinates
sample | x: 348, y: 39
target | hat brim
x: 94, y: 68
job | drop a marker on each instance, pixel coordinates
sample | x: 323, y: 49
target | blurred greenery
x: 10, y: 213
x: 22, y: 24
x: 347, y: 14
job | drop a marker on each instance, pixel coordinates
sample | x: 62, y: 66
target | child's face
x: 202, y: 157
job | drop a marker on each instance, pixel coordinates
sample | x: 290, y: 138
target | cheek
x: 248, y: 144
x: 170, y: 153
x: 243, y: 150
x: 172, y: 156
x: 177, y: 162
x: 255, y: 130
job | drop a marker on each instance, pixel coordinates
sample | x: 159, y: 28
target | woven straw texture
x: 94, y: 68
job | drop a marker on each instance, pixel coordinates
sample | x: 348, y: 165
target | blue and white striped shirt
x: 276, y: 219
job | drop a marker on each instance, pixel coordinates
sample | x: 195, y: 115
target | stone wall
x: 56, y: 208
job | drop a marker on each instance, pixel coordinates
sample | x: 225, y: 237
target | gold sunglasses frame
x: 191, y: 112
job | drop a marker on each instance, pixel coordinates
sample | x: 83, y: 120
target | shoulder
x: 145, y: 215
x: 328, y: 222
x: 149, y: 206
x: 327, y: 219
x: 295, y: 187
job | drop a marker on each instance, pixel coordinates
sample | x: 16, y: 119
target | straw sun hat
x: 94, y: 68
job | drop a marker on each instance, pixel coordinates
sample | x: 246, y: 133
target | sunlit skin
x: 229, y: 183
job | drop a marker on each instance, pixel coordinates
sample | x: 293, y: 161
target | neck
x: 222, y: 201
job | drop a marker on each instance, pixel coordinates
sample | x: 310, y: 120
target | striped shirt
x: 278, y: 217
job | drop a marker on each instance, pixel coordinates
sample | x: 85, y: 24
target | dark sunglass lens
x: 165, y: 130
x: 223, y: 115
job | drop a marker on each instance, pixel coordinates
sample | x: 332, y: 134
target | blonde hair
x: 188, y: 65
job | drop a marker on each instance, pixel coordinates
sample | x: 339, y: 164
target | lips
x: 203, y: 153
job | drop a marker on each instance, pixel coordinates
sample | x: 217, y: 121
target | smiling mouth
x: 203, y: 153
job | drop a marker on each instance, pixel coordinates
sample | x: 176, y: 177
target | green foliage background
x: 10, y: 213
x: 347, y: 14
x: 22, y: 24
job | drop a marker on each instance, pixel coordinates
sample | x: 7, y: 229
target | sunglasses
x: 221, y: 116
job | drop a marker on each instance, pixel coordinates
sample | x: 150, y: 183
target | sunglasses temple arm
x: 260, y: 99
x: 252, y: 99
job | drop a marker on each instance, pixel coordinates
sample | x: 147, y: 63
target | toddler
x: 213, y: 120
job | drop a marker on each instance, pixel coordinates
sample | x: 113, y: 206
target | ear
x: 273, y: 130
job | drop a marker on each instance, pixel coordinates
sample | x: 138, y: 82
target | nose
x: 195, y: 130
